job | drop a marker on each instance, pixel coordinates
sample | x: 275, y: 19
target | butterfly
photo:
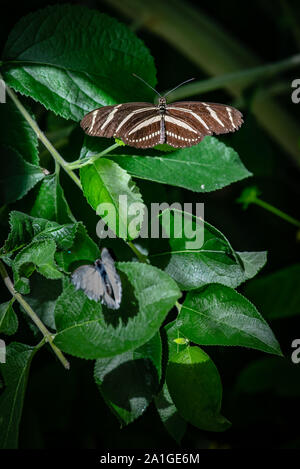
x: 144, y: 125
x: 100, y: 281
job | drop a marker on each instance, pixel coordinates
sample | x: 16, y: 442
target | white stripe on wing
x: 137, y: 111
x: 189, y: 111
x: 179, y: 123
x: 110, y: 116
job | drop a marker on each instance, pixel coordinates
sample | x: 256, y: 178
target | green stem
x: 276, y: 211
x: 57, y: 157
x: 47, y: 335
x: 243, y: 77
x: 85, y: 161
x: 141, y: 257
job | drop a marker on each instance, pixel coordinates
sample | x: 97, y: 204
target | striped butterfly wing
x: 188, y: 122
x: 88, y: 279
x: 113, y: 291
x: 137, y: 124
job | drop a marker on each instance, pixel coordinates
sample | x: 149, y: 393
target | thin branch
x: 89, y: 160
x: 41, y: 326
x: 54, y: 153
x: 243, y: 78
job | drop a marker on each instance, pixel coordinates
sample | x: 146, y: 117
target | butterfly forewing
x: 88, y: 279
x: 116, y: 121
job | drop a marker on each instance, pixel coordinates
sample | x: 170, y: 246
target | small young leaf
x: 73, y: 59
x: 277, y: 295
x: 17, y: 175
x: 38, y: 255
x: 24, y: 229
x: 15, y: 373
x: 205, y: 167
x: 51, y: 203
x: 196, y: 389
x: 174, y: 423
x: 104, y: 182
x: 8, y: 318
x: 218, y: 315
x: 128, y: 381
x: 87, y: 330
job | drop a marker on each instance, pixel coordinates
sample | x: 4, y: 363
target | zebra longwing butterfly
x: 144, y: 125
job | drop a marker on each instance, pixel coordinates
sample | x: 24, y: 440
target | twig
x: 41, y: 326
x: 57, y: 157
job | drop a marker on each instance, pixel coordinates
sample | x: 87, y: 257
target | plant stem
x: 178, y: 306
x: 243, y: 77
x: 276, y: 211
x: 141, y: 257
x: 89, y: 160
x: 57, y: 157
x: 47, y: 335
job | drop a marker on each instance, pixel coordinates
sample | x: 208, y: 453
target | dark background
x: 65, y: 410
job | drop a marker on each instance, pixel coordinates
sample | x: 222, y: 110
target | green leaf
x: 38, y: 255
x: 214, y: 262
x: 196, y: 389
x: 173, y: 422
x: 128, y: 381
x: 17, y: 175
x: 8, y: 318
x: 205, y: 167
x: 277, y: 295
x: 87, y: 330
x: 274, y: 375
x: 15, y: 373
x: 218, y: 315
x: 73, y: 59
x: 24, y: 229
x: 16, y: 133
x: 192, y: 270
x: 51, y: 203
x: 104, y: 182
x: 42, y: 299
x: 83, y: 250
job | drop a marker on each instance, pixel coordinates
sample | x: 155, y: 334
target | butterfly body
x: 144, y: 125
x: 100, y: 281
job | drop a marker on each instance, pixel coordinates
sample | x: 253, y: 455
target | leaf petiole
x: 89, y: 160
x: 250, y: 196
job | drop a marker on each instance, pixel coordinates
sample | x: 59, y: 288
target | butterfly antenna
x: 146, y: 84
x: 186, y: 81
